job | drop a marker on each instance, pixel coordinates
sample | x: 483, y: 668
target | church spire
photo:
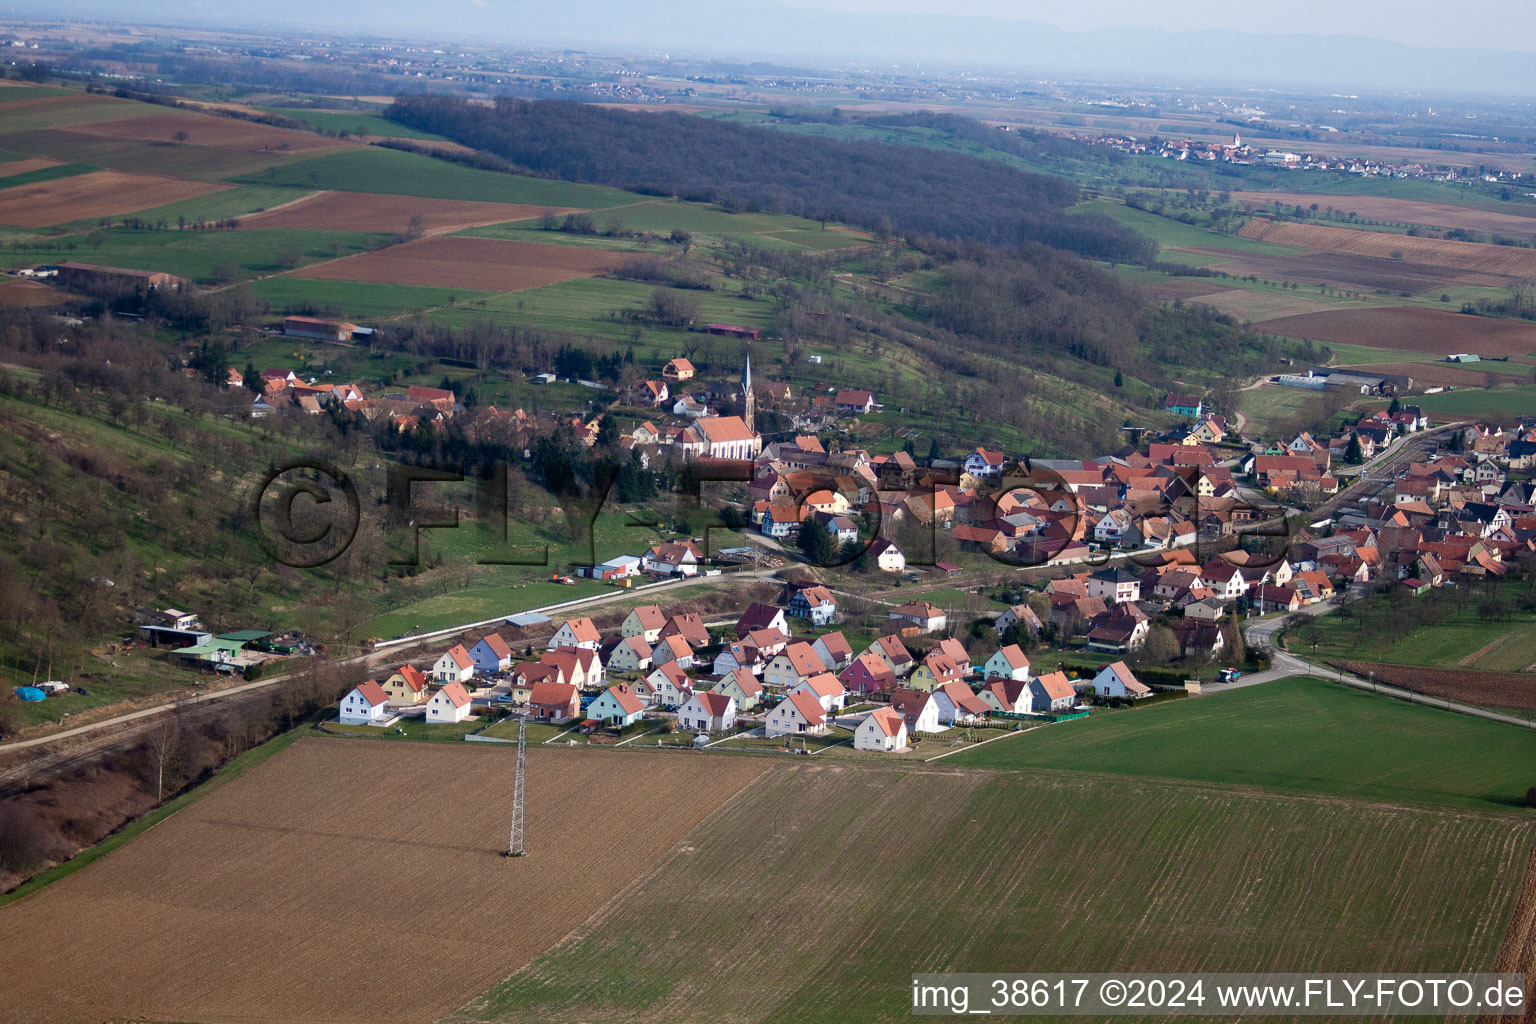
x: 747, y: 401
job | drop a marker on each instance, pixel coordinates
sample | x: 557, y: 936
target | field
x: 1436, y: 630
x: 1513, y: 690
x: 363, y: 211
x: 1270, y: 408
x: 1473, y: 257
x: 1297, y: 735
x: 11, y: 168
x: 207, y: 130
x: 374, y: 169
x: 348, y: 880
x: 820, y: 890
x: 1344, y: 272
x: 1519, y: 401
x: 100, y: 194
x: 1414, y: 328
x: 358, y: 299
x: 21, y: 294
x: 461, y: 262
x: 1401, y: 211
x: 355, y: 121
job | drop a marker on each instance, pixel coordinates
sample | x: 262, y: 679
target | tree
x: 181, y: 136
x: 252, y: 378
x: 162, y: 744
x: 1160, y: 647
x: 607, y: 433
x: 816, y: 544
x: 1119, y: 379
x: 1233, y: 651
x: 1354, y: 454
x: 1530, y: 797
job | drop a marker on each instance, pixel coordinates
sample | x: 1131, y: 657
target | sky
x: 1508, y: 26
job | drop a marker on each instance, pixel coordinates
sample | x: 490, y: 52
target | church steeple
x: 748, y: 403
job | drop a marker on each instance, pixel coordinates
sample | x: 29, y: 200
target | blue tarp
x: 30, y: 693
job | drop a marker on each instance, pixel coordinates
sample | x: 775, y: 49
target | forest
x: 879, y: 187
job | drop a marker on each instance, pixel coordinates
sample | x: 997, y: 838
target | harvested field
x: 365, y: 211
x: 1268, y: 303
x: 208, y: 130
x: 1517, y: 955
x: 1344, y: 272
x: 35, y: 163
x: 18, y: 293
x: 1074, y: 870
x: 1469, y: 256
x: 98, y: 194
x: 1485, y: 689
x: 350, y: 880
x: 1402, y: 211
x: 461, y: 262
x: 1412, y: 329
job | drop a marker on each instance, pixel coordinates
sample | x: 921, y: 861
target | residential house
x: 798, y: 714
x: 1016, y: 614
x: 677, y: 370
x: 364, y: 704
x: 1006, y: 695
x: 491, y: 654
x: 886, y: 556
x: 1115, y: 585
x: 632, y: 654
x: 761, y: 616
x: 958, y: 705
x: 450, y: 704
x: 455, y: 666
x: 814, y: 603
x: 618, y: 706
x: 579, y: 666
x: 708, y: 712
x: 742, y: 687
x: 918, y: 709
x: 936, y: 670
x: 854, y: 402
x: 739, y: 654
x: 825, y: 689
x: 673, y: 650
x: 674, y: 558
x: 1199, y: 639
x: 671, y: 683
x: 918, y: 615
x: 868, y: 673
x: 1051, y: 693
x: 1118, y: 680
x: 1183, y: 405
x: 645, y: 622
x: 406, y: 685
x: 554, y: 702
x: 1009, y: 662
x: 834, y: 651
x: 797, y: 663
x: 690, y: 627
x: 895, y: 654
x: 883, y: 730
x: 576, y: 633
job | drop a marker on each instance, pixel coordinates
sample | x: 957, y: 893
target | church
x: 733, y: 437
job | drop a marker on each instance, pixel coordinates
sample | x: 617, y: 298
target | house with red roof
x: 364, y: 704
x: 1118, y: 680
x: 406, y: 685
x: 708, y: 712
x: 618, y: 706
x: 455, y: 666
x: 742, y: 687
x: 491, y: 654
x: 796, y: 715
x: 576, y: 633
x: 450, y: 704
x: 554, y: 702
x: 826, y: 689
x: 883, y: 730
x: 868, y: 673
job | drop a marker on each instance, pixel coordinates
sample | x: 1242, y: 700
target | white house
x: 365, y: 704
x: 834, y: 651
x: 1008, y: 663
x: 1016, y: 614
x: 673, y: 650
x: 1118, y: 680
x: 919, y: 614
x: 450, y: 704
x: 618, y: 706
x: 455, y: 666
x: 1115, y: 585
x: 884, y: 730
x: 672, y: 685
x: 708, y: 712
x: 576, y: 633
x: 887, y: 556
x: 825, y: 689
x: 918, y: 709
x: 958, y: 705
x: 796, y: 715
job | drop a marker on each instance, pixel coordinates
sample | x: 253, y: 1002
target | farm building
x: 322, y: 330
x: 884, y: 730
x: 450, y: 704
x: 91, y: 275
x: 364, y: 704
x: 733, y: 331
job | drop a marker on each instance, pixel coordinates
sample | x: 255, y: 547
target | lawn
x: 1515, y: 401
x: 833, y: 737
x: 360, y: 299
x: 374, y: 169
x: 477, y: 604
x: 1269, y: 408
x: 1296, y: 735
x: 901, y: 871
x: 1459, y: 639
x: 198, y: 254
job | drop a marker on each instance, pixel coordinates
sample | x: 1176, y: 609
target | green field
x: 45, y: 174
x: 1515, y: 401
x: 1174, y: 234
x: 355, y: 121
x: 818, y: 892
x: 375, y: 169
x: 1298, y: 735
x: 177, y: 160
x: 360, y: 299
x: 197, y: 254
x: 1460, y: 639
x: 1269, y: 408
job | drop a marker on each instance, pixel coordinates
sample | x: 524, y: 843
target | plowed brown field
x: 364, y: 211
x: 484, y: 263
x: 1400, y: 211
x: 351, y: 880
x: 35, y: 163
x: 1486, y: 689
x: 98, y: 194
x: 1343, y: 271
x: 19, y: 293
x: 208, y: 130
x: 1470, y: 256
x: 1413, y: 329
